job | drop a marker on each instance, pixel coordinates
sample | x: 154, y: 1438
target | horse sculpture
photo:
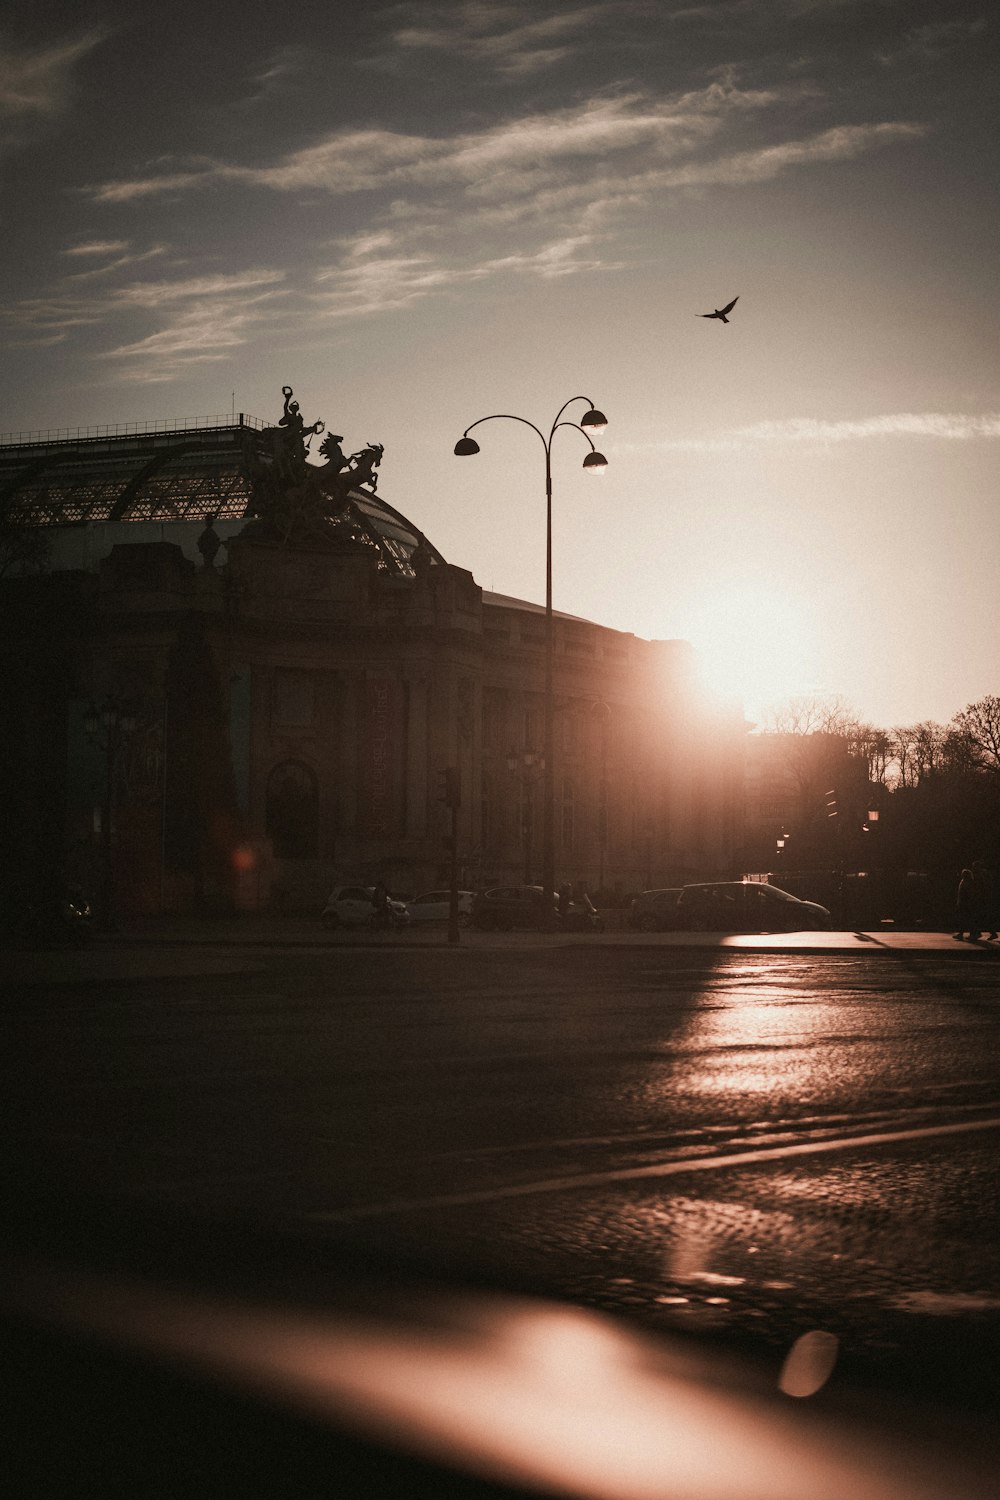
x: 364, y: 463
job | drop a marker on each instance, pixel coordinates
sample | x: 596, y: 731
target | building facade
x: 235, y: 676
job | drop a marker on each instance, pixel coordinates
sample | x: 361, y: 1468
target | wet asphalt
x: 734, y: 1143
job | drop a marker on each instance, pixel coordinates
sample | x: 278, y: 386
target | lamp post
x: 117, y: 724
x: 526, y: 769
x: 872, y: 827
x: 602, y: 711
x: 594, y: 463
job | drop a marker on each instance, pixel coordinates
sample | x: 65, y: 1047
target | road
x: 740, y: 1144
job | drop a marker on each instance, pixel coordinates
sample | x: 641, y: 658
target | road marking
x: 672, y: 1168
x: 757, y: 1130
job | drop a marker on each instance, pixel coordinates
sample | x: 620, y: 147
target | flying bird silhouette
x: 720, y: 312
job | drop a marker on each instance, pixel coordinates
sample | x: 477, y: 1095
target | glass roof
x: 180, y: 475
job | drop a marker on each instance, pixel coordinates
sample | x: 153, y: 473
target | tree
x: 875, y: 747
x: 979, y: 724
x: 811, y: 713
x: 819, y: 736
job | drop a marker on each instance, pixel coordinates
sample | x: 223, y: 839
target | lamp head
x: 466, y: 446
x: 594, y: 419
x: 595, y: 462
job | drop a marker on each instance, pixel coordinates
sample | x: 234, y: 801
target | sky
x: 421, y: 214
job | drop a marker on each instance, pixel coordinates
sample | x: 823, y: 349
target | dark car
x: 56, y: 916
x: 747, y: 906
x: 654, y: 911
x: 509, y: 906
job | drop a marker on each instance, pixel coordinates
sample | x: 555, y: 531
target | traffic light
x: 832, y: 810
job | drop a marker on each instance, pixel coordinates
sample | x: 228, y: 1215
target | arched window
x: 292, y: 815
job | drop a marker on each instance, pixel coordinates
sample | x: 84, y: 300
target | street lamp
x: 117, y: 724
x: 526, y: 769
x: 594, y: 463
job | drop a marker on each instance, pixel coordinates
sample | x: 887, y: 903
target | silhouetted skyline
x: 419, y: 214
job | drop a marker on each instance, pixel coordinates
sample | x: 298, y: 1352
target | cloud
x: 512, y: 39
x: 145, y: 187
x: 208, y: 331
x: 558, y: 140
x: 199, y: 318
x: 601, y: 158
x: 367, y: 280
x: 561, y: 258
x: 119, y: 263
x: 155, y: 293
x: 282, y: 72
x: 840, y: 143
x: 949, y: 426
x: 97, y: 247
x: 35, y: 84
x: 929, y: 43
x: 605, y: 198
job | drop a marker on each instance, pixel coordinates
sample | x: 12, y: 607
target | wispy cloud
x: 603, y: 197
x: 558, y: 141
x: 375, y: 276
x: 194, y: 318
x: 97, y: 247
x: 281, y: 73
x: 512, y: 39
x: 949, y: 426
x: 36, y: 84
x: 156, y: 293
x: 197, y: 333
x: 205, y: 330
x: 117, y: 263
x: 936, y: 39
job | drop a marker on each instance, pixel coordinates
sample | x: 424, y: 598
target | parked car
x: 351, y: 906
x: 434, y: 906
x: 57, y: 915
x: 654, y: 911
x: 509, y: 906
x: 747, y: 906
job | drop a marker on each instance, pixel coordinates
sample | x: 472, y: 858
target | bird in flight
x: 720, y: 312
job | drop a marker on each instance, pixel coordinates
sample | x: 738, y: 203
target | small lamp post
x: 602, y: 711
x: 648, y: 833
x: 108, y: 727
x: 594, y: 463
x: 526, y: 769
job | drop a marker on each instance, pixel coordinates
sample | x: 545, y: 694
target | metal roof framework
x: 180, y: 473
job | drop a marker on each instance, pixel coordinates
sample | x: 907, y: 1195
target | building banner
x: 383, y: 757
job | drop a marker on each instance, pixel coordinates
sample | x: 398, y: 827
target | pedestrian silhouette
x: 380, y: 904
x: 965, y: 907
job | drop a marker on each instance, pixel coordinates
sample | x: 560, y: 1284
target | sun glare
x: 753, y: 645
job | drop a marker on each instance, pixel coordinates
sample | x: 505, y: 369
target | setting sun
x: 753, y: 645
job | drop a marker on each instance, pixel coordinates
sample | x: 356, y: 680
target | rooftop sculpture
x: 300, y: 501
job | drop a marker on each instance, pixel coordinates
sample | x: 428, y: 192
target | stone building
x: 231, y: 675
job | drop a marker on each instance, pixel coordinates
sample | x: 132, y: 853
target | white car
x: 432, y: 906
x: 351, y: 906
